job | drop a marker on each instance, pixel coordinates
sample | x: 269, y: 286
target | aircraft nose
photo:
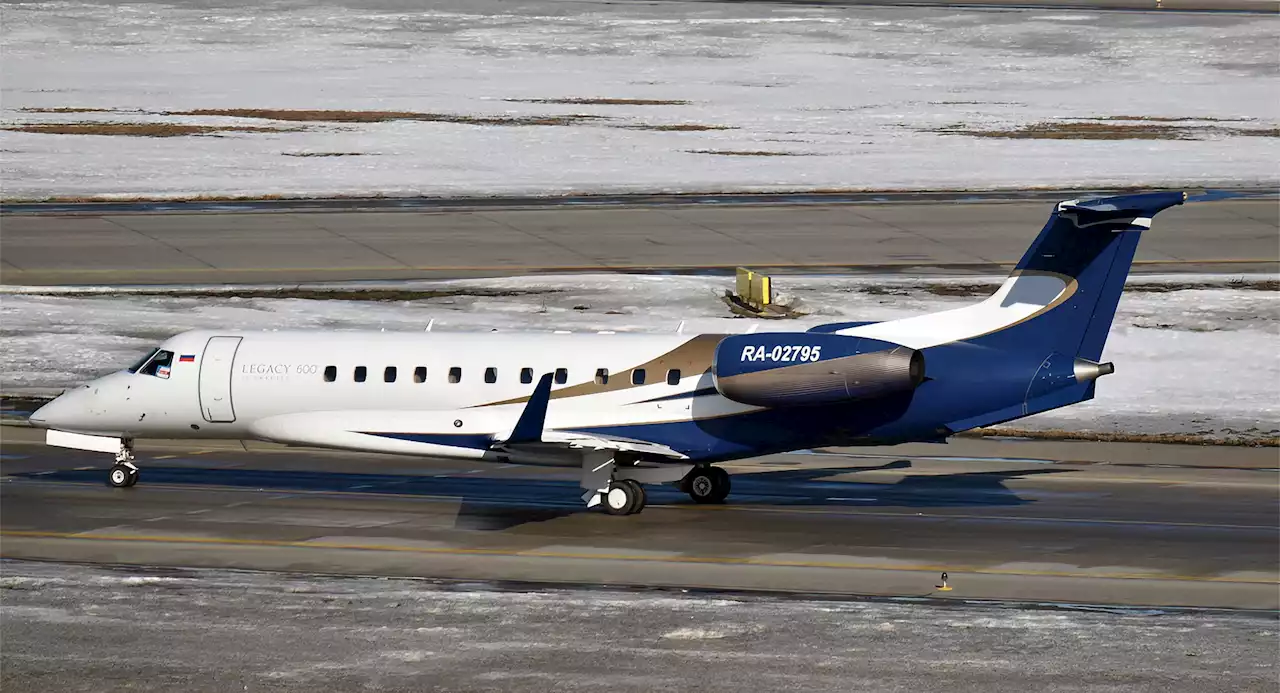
x: 62, y: 412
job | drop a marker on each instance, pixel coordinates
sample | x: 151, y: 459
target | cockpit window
x: 160, y: 364
x: 143, y: 361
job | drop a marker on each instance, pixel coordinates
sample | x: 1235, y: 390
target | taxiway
x: 245, y: 243
x: 1037, y: 521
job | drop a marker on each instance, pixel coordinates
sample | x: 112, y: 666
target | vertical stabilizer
x: 1060, y: 298
x: 1089, y: 246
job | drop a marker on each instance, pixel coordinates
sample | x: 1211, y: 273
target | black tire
x: 619, y: 499
x: 641, y: 497
x: 121, y: 476
x: 723, y: 485
x: 707, y: 485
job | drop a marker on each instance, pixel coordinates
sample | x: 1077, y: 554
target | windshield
x: 159, y: 365
x: 143, y: 361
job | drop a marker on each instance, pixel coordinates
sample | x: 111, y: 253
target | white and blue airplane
x: 634, y: 409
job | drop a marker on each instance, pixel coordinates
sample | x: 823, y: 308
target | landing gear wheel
x: 122, y: 476
x: 624, y: 497
x: 707, y: 485
x: 641, y: 498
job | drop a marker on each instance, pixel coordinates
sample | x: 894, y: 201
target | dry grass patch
x: 605, y: 102
x: 680, y: 127
x: 385, y: 116
x: 1092, y: 130
x: 1161, y: 119
x: 319, y: 294
x: 326, y: 154
x: 729, y: 152
x: 68, y: 109
x: 1163, y: 438
x: 1254, y: 132
x: 136, y: 129
x: 982, y: 289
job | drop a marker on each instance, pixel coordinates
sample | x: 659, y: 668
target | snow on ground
x: 72, y: 627
x: 842, y: 98
x: 1197, y: 360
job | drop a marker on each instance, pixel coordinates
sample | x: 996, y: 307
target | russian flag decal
x: 187, y: 358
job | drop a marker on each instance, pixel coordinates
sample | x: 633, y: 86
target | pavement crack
x: 162, y: 242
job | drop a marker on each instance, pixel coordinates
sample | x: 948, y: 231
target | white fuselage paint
x: 1020, y: 297
x: 278, y: 390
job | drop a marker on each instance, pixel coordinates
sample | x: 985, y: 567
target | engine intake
x: 788, y: 369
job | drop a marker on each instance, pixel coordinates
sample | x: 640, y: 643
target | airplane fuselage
x: 620, y: 404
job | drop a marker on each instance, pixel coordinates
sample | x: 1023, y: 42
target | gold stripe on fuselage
x: 693, y: 358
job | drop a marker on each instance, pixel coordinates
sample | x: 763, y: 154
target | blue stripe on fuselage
x: 475, y: 441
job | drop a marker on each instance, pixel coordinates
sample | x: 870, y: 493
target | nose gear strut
x: 124, y: 473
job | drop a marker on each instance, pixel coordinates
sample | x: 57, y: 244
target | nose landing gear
x: 124, y: 473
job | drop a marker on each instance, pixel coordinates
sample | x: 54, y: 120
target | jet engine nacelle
x: 789, y: 369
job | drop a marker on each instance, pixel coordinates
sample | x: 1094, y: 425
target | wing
x: 552, y: 441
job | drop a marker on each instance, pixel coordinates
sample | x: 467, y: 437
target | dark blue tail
x: 1090, y: 244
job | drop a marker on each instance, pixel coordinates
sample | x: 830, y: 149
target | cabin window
x: 673, y: 376
x: 455, y: 375
x: 562, y: 376
x: 637, y: 376
x: 420, y: 374
x: 491, y: 375
x: 361, y: 373
x: 389, y: 374
x: 602, y: 376
x: 526, y: 375
x: 330, y: 373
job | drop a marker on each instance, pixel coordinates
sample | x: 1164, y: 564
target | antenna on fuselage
x: 430, y: 322
x: 680, y: 328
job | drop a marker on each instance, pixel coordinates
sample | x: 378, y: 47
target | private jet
x: 637, y: 409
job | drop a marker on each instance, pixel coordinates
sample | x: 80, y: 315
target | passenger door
x: 215, y: 379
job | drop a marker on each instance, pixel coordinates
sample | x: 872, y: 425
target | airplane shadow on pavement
x: 496, y: 503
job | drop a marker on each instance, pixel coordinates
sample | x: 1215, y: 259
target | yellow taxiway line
x: 508, y: 553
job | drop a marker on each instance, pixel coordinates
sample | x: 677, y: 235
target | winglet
x: 528, y: 428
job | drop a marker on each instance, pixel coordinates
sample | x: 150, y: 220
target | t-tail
x: 1034, y: 345
x: 1088, y: 246
x: 1060, y: 298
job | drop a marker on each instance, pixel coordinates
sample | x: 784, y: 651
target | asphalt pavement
x: 978, y: 236
x: 1066, y: 522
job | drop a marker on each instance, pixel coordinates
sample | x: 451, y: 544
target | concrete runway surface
x: 332, y: 245
x: 1066, y: 522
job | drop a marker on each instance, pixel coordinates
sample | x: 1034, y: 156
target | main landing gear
x: 706, y: 484
x: 124, y: 473
x: 625, y: 497
x: 617, y: 488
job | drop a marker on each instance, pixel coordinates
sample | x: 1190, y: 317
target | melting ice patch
x: 695, y: 634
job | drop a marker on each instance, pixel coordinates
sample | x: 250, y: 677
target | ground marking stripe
x: 614, y: 557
